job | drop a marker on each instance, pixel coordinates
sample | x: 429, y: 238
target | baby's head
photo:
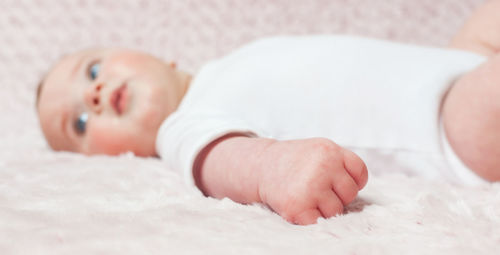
x: 108, y: 101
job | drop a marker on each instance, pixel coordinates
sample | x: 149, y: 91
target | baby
x: 291, y: 121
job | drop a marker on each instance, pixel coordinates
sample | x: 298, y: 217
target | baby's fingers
x: 307, y: 217
x: 356, y: 168
x: 330, y: 205
x: 345, y: 187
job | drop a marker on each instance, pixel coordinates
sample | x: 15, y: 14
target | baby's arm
x: 481, y: 32
x: 300, y: 179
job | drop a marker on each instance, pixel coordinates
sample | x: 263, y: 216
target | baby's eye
x: 80, y: 124
x: 93, y: 70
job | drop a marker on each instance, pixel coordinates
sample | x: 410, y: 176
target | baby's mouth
x: 119, y: 98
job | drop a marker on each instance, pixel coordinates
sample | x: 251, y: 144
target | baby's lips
x: 119, y: 99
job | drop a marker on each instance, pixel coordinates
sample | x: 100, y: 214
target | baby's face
x: 108, y: 101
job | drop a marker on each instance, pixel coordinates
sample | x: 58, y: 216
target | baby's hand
x: 305, y: 179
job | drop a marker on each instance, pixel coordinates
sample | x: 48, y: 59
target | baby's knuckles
x: 325, y: 153
x: 304, y: 171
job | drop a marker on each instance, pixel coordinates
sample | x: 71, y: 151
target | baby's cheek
x: 105, y: 141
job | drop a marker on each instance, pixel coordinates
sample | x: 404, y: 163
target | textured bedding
x: 64, y: 203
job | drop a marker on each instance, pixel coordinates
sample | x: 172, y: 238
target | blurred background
x: 36, y: 33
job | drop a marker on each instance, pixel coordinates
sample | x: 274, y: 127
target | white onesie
x: 379, y: 99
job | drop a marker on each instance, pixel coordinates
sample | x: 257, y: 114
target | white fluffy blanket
x: 63, y: 203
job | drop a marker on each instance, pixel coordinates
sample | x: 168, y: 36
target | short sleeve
x: 183, y: 135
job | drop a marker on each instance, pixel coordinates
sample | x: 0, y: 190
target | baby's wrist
x: 231, y: 167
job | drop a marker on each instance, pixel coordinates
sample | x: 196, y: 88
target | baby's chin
x: 147, y: 124
x: 147, y: 105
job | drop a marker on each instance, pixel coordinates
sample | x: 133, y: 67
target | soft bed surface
x: 64, y: 203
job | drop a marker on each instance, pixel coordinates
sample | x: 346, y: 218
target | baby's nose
x: 93, y: 97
